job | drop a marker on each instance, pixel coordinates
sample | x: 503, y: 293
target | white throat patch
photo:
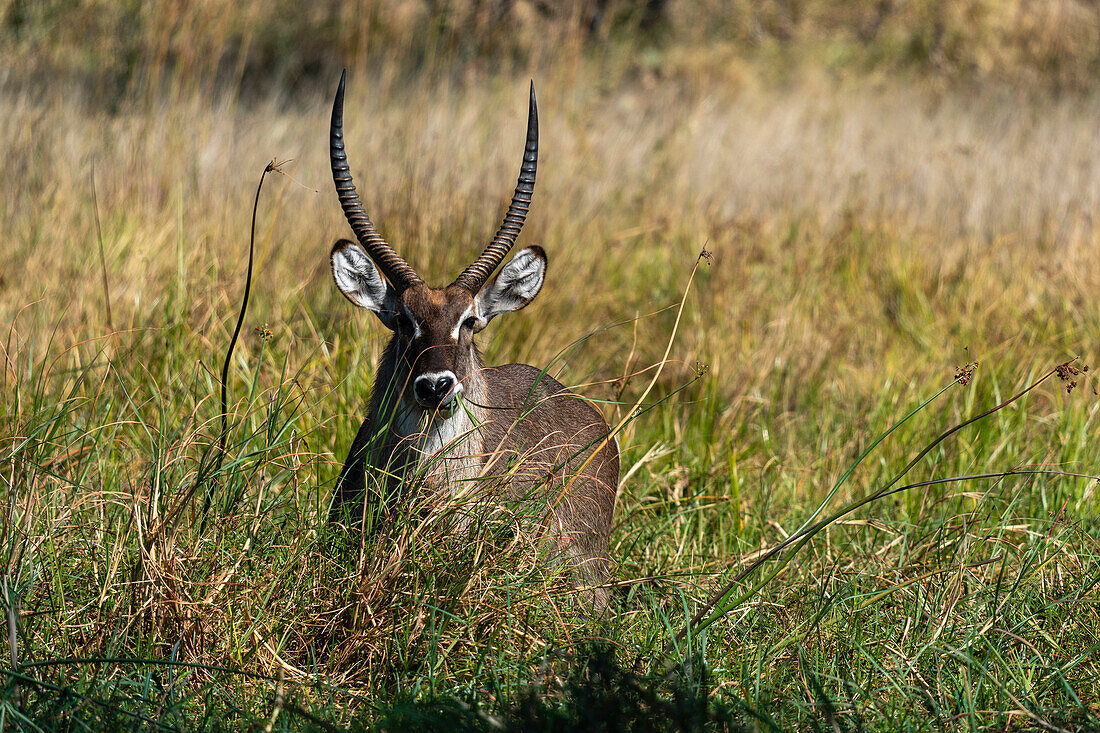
x: 445, y: 436
x: 452, y: 451
x: 445, y: 450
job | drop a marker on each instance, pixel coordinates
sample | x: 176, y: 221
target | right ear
x: 515, y: 285
x: 360, y: 282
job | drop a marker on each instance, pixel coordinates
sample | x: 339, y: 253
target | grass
x: 871, y: 233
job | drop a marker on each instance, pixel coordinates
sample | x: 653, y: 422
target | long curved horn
x: 474, y: 276
x: 396, y: 270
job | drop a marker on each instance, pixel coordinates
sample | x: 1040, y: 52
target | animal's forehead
x: 440, y: 305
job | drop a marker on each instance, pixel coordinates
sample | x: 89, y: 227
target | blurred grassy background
x: 114, y: 50
x: 890, y: 189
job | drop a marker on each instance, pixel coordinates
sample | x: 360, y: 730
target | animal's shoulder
x: 534, y: 393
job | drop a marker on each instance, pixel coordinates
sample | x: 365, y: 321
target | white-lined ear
x: 515, y: 286
x: 361, y: 283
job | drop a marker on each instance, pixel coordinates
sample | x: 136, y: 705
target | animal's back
x: 544, y: 435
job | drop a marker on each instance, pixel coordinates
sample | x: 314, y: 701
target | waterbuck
x: 442, y: 421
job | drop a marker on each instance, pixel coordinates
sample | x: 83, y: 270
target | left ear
x: 517, y: 284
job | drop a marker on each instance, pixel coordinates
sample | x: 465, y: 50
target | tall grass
x: 871, y: 233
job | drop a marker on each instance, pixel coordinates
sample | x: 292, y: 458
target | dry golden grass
x: 973, y: 213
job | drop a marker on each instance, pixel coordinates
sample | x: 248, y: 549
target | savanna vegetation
x: 852, y: 246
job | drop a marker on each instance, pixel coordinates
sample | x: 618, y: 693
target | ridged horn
x: 474, y: 276
x: 396, y: 270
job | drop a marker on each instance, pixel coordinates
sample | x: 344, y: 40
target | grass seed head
x: 965, y: 373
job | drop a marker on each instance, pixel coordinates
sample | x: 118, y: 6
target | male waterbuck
x: 442, y: 421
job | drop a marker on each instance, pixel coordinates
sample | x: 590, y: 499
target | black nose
x: 431, y: 389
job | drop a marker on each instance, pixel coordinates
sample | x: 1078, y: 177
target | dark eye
x: 470, y: 323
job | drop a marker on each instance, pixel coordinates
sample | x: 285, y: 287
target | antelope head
x: 434, y: 327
